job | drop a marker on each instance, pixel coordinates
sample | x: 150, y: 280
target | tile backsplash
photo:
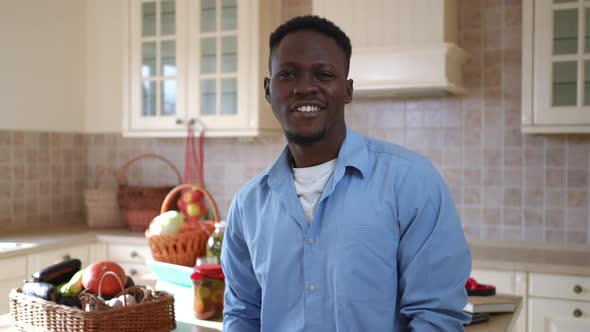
x: 41, y: 178
x: 507, y: 186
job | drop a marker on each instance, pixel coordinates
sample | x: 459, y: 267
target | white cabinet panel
x: 547, y: 315
x: 12, y: 275
x: 40, y: 260
x: 559, y: 286
x: 128, y: 253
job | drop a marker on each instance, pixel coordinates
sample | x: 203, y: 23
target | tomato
x: 110, y: 285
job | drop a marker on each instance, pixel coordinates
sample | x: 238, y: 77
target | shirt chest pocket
x: 366, y: 264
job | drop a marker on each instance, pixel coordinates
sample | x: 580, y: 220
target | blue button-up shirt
x: 385, y: 250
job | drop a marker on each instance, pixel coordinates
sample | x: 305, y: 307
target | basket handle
x: 180, y: 187
x: 120, y: 283
x: 123, y: 169
x: 100, y: 175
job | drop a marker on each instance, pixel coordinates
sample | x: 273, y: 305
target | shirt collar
x: 353, y: 153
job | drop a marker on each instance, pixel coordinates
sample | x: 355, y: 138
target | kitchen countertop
x: 531, y: 257
x: 498, y: 323
x: 497, y: 255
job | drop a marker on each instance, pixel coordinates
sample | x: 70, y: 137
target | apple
x: 169, y: 222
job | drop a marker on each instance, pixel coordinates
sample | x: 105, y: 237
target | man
x: 342, y: 232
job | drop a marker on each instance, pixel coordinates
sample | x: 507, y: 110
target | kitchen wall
x: 507, y: 186
x: 42, y: 65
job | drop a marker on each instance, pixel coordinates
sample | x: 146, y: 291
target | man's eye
x: 325, y: 75
x: 286, y: 75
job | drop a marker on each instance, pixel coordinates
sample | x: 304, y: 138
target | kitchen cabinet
x: 507, y: 282
x: 556, y: 66
x: 43, y: 259
x: 558, y: 315
x: 131, y: 253
x: 558, y: 303
x: 197, y: 62
x: 12, y: 273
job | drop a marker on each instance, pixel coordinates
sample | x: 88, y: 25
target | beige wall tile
x: 5, y: 138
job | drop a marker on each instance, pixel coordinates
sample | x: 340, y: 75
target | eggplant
x: 59, y: 272
x: 43, y: 290
x: 129, y: 282
x: 70, y: 301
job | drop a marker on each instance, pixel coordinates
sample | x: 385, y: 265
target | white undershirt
x: 309, y: 185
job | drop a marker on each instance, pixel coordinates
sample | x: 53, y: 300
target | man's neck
x: 314, y: 154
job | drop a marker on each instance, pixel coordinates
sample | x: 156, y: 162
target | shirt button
x: 311, y: 241
x: 312, y: 288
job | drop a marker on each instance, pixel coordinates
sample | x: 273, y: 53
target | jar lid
x: 207, y: 271
x: 220, y: 225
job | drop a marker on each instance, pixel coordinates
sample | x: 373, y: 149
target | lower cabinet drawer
x: 141, y: 274
x: 128, y: 253
x: 558, y: 315
x: 559, y: 286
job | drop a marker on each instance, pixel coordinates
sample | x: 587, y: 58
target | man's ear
x: 349, y: 90
x: 266, y: 89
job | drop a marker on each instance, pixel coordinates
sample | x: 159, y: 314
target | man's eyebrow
x: 295, y: 63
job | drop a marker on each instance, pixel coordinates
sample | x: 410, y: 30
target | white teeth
x: 308, y: 108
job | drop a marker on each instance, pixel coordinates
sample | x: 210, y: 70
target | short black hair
x: 313, y: 23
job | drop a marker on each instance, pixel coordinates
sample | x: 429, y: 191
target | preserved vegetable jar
x: 208, y: 287
x: 215, y: 240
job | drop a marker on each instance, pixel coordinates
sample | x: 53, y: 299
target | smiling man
x: 342, y: 232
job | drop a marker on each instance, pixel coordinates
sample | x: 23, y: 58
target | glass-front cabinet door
x: 219, y: 44
x: 198, y: 61
x: 560, y: 71
x: 156, y: 67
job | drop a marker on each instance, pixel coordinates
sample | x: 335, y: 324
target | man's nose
x: 305, y: 85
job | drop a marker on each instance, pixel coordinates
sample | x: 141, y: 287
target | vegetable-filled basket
x: 155, y: 313
x: 140, y: 204
x: 184, y: 247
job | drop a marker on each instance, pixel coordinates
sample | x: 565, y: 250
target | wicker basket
x: 139, y: 204
x: 102, y: 210
x: 30, y: 313
x: 183, y: 248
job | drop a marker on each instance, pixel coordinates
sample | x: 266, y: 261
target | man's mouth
x: 308, y: 109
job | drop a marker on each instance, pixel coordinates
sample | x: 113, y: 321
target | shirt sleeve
x: 434, y: 261
x: 242, y: 300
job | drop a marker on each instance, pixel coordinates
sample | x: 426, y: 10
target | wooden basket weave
x: 140, y: 204
x: 183, y: 248
x: 30, y: 313
x: 102, y: 210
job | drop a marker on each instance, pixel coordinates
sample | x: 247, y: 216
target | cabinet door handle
x: 67, y: 256
x: 179, y: 121
x: 133, y: 272
x: 577, y: 313
x: 134, y: 254
x: 578, y: 289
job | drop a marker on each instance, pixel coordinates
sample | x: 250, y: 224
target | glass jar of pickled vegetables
x: 208, y: 288
x: 215, y: 240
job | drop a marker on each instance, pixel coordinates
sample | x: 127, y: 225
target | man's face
x: 307, y: 88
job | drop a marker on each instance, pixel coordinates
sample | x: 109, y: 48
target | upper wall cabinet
x: 400, y: 47
x: 556, y: 66
x: 197, y: 61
